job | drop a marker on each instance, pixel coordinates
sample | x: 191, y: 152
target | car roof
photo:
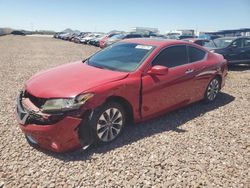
x: 195, y: 39
x: 155, y: 41
x: 234, y: 37
x: 228, y: 37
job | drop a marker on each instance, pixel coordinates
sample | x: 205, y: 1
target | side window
x: 246, y: 42
x: 133, y: 36
x: 199, y: 42
x: 138, y: 36
x: 172, y: 57
x: 237, y: 42
x: 195, y: 54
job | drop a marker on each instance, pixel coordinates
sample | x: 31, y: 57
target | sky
x: 106, y: 15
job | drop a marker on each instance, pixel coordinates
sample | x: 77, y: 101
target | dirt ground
x: 197, y: 146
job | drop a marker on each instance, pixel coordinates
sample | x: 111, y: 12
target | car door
x: 234, y: 51
x: 246, y: 50
x: 165, y: 92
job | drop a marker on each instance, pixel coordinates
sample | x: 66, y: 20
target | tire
x: 108, y: 122
x: 212, y: 90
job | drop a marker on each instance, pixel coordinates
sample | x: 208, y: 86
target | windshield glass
x: 119, y: 36
x: 209, y: 44
x: 125, y: 57
x: 221, y: 43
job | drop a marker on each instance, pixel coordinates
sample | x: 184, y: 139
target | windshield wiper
x: 85, y: 61
x: 100, y: 67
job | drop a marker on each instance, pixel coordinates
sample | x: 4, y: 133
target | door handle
x: 189, y: 71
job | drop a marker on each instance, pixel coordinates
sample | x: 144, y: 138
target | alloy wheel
x: 109, y: 124
x: 213, y: 89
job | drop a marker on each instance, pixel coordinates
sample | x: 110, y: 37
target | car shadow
x: 169, y: 122
x: 241, y: 67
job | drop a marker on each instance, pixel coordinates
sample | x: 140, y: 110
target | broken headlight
x: 62, y: 105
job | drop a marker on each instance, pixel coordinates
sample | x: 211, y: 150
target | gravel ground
x: 198, y: 146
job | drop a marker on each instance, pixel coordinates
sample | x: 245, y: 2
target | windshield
x: 118, y: 36
x: 221, y: 43
x: 125, y: 57
x: 209, y: 44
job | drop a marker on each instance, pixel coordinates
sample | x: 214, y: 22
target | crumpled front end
x: 55, y: 132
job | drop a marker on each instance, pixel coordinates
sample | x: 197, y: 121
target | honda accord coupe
x: 77, y: 104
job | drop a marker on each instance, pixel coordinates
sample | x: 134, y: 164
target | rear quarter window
x: 195, y: 54
x: 246, y: 42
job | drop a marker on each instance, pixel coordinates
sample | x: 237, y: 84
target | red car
x: 77, y: 104
x: 105, y: 38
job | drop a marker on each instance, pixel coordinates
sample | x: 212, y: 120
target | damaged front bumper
x: 55, y: 132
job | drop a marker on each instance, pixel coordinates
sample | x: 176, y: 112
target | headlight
x: 62, y: 105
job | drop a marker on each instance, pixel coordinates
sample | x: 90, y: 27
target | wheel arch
x: 125, y: 103
x: 219, y: 77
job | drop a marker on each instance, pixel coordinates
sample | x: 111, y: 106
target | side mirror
x: 158, y: 70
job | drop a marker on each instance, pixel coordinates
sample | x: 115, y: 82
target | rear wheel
x: 212, y: 90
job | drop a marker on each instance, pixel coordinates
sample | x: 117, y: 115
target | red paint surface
x: 160, y: 93
x: 61, y: 134
x: 102, y: 41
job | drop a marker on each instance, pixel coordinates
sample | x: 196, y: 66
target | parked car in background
x: 158, y: 36
x: 209, y: 37
x: 235, y: 49
x: 17, y: 32
x: 105, y: 38
x: 90, y: 36
x: 185, y: 37
x: 70, y: 36
x: 56, y: 35
x: 121, y: 36
x: 70, y: 106
x: 174, y: 36
x: 64, y: 36
x: 199, y: 41
x: 96, y: 41
x: 77, y: 39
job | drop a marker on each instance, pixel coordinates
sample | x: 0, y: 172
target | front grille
x: 38, y: 102
x: 35, y: 115
x: 38, y: 118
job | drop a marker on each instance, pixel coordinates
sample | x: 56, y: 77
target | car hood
x: 70, y: 80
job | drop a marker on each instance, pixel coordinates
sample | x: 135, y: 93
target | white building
x: 144, y: 30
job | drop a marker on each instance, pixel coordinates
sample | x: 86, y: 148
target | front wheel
x: 212, y: 90
x: 108, y: 122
